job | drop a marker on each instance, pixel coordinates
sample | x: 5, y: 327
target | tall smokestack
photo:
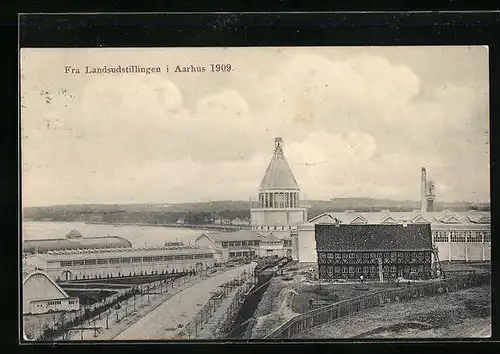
x: 423, y: 190
x: 429, y: 194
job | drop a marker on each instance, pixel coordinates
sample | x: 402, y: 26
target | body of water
x: 139, y: 236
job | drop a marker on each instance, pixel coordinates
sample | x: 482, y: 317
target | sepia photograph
x: 255, y: 193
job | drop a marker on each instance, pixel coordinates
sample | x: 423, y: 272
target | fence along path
x: 323, y: 315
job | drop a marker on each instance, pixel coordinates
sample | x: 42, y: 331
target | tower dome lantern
x: 278, y: 175
x: 278, y: 142
x: 278, y: 188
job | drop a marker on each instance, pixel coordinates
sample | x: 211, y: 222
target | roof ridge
x: 53, y: 282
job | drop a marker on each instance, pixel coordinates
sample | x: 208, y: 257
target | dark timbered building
x: 349, y: 251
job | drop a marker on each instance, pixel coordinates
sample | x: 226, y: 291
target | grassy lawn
x: 126, y: 280
x: 466, y: 266
x: 327, y: 294
x: 102, y: 284
x: 462, y: 314
x: 90, y: 297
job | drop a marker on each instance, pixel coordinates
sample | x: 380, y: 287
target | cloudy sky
x: 356, y: 122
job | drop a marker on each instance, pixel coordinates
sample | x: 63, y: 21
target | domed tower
x: 278, y: 206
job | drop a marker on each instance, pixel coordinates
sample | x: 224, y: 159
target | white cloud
x: 356, y: 126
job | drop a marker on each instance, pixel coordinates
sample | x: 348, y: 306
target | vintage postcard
x: 255, y: 193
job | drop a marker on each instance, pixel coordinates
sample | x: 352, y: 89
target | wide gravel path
x: 162, y: 322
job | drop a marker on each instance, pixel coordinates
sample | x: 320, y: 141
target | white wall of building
x: 55, y: 271
x: 303, y: 249
x: 53, y: 305
x: 487, y: 251
x: 457, y: 251
x: 474, y: 251
x: 443, y: 251
x: 306, y: 245
x: 464, y: 251
x: 272, y: 249
x: 41, y: 294
x: 295, y: 245
x: 277, y: 217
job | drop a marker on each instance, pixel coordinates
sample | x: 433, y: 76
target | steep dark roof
x: 373, y: 237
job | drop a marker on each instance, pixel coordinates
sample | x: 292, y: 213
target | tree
x: 62, y: 319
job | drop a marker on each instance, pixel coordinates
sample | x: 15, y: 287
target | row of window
x: 366, y: 255
x: 371, y: 269
x: 52, y: 303
x: 278, y: 200
x: 462, y: 236
x: 226, y: 244
x: 277, y: 228
x: 71, y: 302
x: 135, y: 259
x: 241, y: 254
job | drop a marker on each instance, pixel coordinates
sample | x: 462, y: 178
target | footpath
x: 108, y: 325
x: 226, y: 310
x: 167, y: 320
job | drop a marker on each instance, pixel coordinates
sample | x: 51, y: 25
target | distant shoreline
x: 209, y: 227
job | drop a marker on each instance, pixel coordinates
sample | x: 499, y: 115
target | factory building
x: 231, y: 245
x: 458, y: 236
x: 74, y: 240
x: 41, y: 294
x: 115, y: 262
x: 373, y: 251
